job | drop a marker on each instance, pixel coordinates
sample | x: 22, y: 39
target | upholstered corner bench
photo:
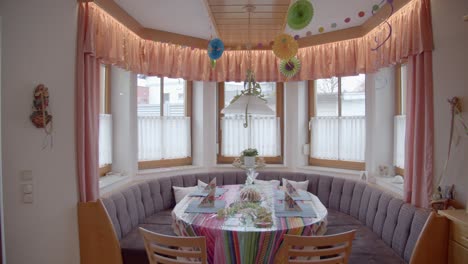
x: 387, y: 228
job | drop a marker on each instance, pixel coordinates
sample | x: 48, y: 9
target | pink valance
x: 113, y: 43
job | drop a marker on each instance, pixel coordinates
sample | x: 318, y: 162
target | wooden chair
x: 333, y: 249
x: 171, y: 250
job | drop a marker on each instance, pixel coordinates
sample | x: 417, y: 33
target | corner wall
x: 38, y: 46
x: 450, y: 60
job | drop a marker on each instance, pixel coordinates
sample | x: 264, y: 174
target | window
x: 105, y: 122
x: 164, y: 124
x: 400, y: 119
x: 263, y: 132
x: 338, y: 122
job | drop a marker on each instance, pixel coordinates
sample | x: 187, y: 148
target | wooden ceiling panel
x: 232, y: 20
x: 244, y: 15
x: 240, y: 9
x: 246, y: 2
x: 246, y: 22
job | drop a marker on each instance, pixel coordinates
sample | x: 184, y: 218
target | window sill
x: 167, y: 169
x: 391, y: 185
x: 342, y: 173
x: 110, y: 182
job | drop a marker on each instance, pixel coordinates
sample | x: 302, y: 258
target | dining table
x: 238, y: 239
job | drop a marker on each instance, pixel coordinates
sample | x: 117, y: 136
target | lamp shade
x: 251, y: 103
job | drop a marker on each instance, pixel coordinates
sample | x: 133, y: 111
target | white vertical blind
x: 399, y: 141
x: 163, y: 137
x: 263, y: 133
x: 338, y: 138
x: 105, y: 139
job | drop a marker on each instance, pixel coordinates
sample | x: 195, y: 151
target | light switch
x: 28, y: 198
x: 27, y: 188
x: 26, y: 175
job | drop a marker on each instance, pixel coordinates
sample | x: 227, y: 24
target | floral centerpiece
x: 248, y: 157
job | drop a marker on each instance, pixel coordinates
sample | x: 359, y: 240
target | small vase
x: 249, y: 161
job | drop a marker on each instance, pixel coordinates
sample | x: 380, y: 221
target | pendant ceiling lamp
x: 250, y: 100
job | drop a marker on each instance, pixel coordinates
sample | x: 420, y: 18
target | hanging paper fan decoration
x: 213, y: 63
x: 300, y: 14
x: 215, y: 48
x: 285, y: 46
x: 290, y: 67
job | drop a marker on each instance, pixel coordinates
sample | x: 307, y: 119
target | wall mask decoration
x: 40, y: 117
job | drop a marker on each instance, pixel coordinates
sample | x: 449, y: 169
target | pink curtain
x: 419, y: 151
x: 87, y: 113
x: 113, y: 43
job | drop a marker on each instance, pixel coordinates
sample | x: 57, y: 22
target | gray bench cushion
x: 386, y: 225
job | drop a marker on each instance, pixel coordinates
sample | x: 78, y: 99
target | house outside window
x: 263, y: 132
x: 400, y: 119
x: 164, y: 122
x: 105, y: 121
x: 338, y: 122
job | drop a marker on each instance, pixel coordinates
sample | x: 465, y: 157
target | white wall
x: 38, y: 46
x: 124, y: 121
x: 379, y: 120
x: 450, y: 60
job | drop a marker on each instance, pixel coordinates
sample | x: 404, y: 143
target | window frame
x: 164, y: 163
x: 398, y: 104
x: 339, y: 164
x: 279, y: 113
x: 106, y: 109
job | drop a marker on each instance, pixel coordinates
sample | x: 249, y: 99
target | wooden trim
x: 339, y: 97
x: 188, y: 98
x: 158, y: 35
x: 152, y: 164
x: 398, y: 89
x: 173, y: 38
x: 107, y: 107
x: 161, y: 96
x: 381, y: 15
x: 268, y: 160
x: 311, y: 90
x: 105, y: 169
x: 340, y: 164
x: 220, y: 115
x: 280, y: 114
x: 399, y: 171
x: 432, y: 245
x: 99, y: 243
x: 329, y: 37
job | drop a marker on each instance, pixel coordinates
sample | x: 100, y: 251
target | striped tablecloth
x: 230, y: 241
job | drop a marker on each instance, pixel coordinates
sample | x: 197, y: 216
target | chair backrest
x: 331, y: 249
x: 168, y: 249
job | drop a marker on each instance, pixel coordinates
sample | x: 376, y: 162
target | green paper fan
x: 300, y: 14
x: 290, y: 67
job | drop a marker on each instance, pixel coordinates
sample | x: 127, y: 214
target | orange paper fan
x: 285, y: 47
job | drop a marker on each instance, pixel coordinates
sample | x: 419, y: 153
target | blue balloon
x: 215, y: 48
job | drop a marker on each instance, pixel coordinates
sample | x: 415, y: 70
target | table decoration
x: 209, y: 200
x: 303, y: 196
x: 290, y: 204
x: 259, y: 215
x: 250, y: 194
x: 290, y: 189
